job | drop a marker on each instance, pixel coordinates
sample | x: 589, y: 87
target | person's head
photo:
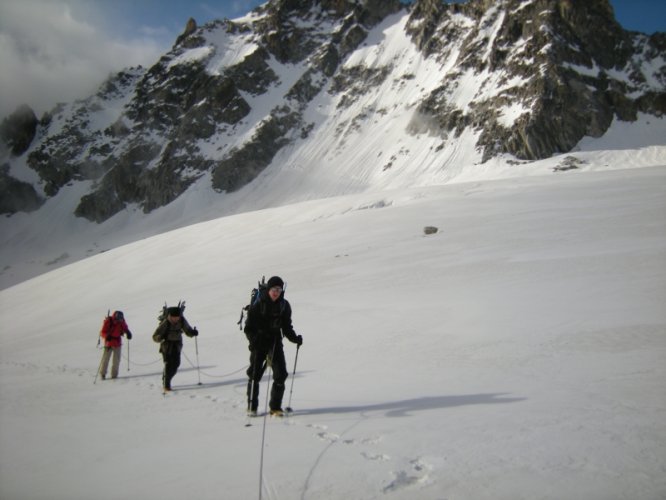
x: 118, y: 315
x: 173, y: 314
x: 275, y: 285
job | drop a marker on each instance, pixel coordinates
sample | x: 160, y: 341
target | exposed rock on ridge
x: 556, y: 59
x: 540, y: 75
x: 18, y: 130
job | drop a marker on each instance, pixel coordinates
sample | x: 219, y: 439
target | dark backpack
x: 255, y: 298
x: 164, y: 312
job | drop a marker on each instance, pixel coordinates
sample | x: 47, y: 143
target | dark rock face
x: 16, y: 196
x: 74, y: 147
x: 561, y: 54
x: 283, y: 35
x: 545, y: 71
x: 180, y: 102
x: 18, y: 130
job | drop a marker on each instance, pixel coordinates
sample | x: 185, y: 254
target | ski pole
x: 250, y: 395
x: 293, y: 376
x: 100, y: 365
x: 128, y: 355
x: 196, y: 348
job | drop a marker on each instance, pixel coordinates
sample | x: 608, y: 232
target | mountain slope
x: 300, y: 101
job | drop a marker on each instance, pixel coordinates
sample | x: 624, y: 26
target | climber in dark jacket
x: 169, y: 334
x: 268, y: 320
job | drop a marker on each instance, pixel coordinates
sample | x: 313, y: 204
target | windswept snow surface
x: 518, y: 353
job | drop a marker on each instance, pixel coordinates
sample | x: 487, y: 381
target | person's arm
x: 160, y: 331
x: 126, y: 330
x: 189, y: 331
x: 104, y: 331
x: 251, y: 329
x: 288, y: 328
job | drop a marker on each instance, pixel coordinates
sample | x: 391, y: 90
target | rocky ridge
x: 552, y: 66
x: 537, y: 79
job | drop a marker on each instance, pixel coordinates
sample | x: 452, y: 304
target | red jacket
x: 112, y: 331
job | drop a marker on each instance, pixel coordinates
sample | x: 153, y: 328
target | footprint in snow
x: 418, y: 474
x: 375, y: 457
x: 325, y: 436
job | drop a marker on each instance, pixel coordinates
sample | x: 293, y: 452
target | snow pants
x: 115, y: 363
x: 259, y: 360
x: 171, y: 356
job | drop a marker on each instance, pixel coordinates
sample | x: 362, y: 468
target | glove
x: 129, y: 335
x: 195, y: 332
x: 299, y: 340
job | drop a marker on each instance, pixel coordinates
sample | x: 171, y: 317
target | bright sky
x: 56, y: 50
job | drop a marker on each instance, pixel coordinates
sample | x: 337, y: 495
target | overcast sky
x: 60, y: 50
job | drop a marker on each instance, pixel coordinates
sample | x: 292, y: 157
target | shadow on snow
x: 404, y: 407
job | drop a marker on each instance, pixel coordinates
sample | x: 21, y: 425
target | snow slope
x: 52, y: 236
x: 518, y: 353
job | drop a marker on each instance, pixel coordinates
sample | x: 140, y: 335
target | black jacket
x: 166, y: 332
x: 267, y: 322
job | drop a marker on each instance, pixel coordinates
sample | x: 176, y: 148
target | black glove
x: 129, y: 335
x: 299, y: 340
x: 195, y: 332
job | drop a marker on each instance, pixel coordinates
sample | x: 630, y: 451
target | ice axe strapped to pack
x: 255, y: 294
x: 173, y: 310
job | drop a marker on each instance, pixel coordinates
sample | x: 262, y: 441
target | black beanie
x: 275, y: 281
x: 173, y: 311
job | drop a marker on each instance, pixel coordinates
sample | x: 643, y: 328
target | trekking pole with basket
x: 100, y: 365
x: 196, y: 348
x: 293, y: 376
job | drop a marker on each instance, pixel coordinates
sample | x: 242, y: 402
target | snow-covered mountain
x: 319, y: 98
x: 515, y: 351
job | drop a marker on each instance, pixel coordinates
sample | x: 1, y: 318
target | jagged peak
x: 190, y: 27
